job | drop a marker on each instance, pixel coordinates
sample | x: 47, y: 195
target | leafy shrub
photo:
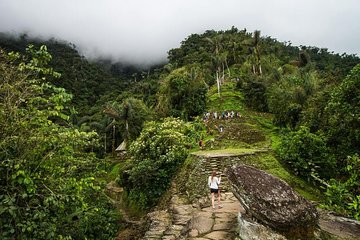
x: 343, y: 111
x: 306, y: 154
x: 289, y: 97
x: 48, y: 188
x: 183, y: 93
x: 344, y: 196
x: 155, y: 157
x: 254, y: 90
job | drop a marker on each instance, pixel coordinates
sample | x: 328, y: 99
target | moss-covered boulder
x: 273, y: 202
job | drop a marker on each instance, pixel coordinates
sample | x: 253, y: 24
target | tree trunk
x: 113, y: 142
x: 258, y: 61
x: 223, y: 73
x: 227, y: 66
x: 127, y: 129
x: 218, y: 82
x: 105, y: 144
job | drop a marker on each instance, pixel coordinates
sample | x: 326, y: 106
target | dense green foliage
x: 312, y: 93
x: 129, y: 116
x: 155, y: 156
x: 306, y: 154
x: 254, y: 91
x: 183, y: 93
x: 87, y: 81
x: 344, y: 196
x: 47, y: 172
x: 343, y: 115
x: 304, y: 86
x: 289, y: 96
x: 94, y: 84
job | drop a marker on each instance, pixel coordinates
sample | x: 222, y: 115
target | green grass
x: 268, y: 163
x: 229, y: 99
x: 115, y: 171
x: 264, y: 120
x: 232, y: 151
x: 275, y: 140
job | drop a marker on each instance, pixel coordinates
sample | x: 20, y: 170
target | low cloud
x: 141, y: 31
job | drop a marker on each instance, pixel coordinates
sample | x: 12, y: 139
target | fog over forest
x: 143, y: 31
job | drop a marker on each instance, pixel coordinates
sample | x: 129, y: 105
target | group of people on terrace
x: 223, y: 115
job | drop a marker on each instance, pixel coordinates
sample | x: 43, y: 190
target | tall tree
x: 129, y: 116
x: 219, y: 58
x: 257, y: 68
x: 254, y: 50
x: 183, y: 93
x: 343, y: 111
x: 48, y: 187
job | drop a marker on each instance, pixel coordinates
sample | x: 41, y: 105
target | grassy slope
x: 232, y: 99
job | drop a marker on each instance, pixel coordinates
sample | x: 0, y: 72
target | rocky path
x: 191, y: 221
x: 197, y: 220
x: 189, y: 215
x: 220, y: 223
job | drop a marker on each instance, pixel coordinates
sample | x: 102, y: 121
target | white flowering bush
x: 155, y: 157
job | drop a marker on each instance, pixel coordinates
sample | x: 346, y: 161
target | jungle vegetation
x: 61, y: 115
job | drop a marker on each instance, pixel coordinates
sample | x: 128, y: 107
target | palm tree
x: 129, y: 117
x: 102, y: 127
x: 112, y: 110
x: 255, y: 58
x: 257, y: 68
x: 219, y: 58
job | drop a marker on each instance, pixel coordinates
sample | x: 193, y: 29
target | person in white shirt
x: 214, y: 183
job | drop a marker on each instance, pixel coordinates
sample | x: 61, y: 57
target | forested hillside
x: 87, y: 80
x: 312, y: 94
x: 94, y: 85
x: 62, y: 116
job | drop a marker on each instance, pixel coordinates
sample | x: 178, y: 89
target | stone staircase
x: 189, y: 215
x: 218, y: 163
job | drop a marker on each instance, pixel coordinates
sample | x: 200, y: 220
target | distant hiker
x: 201, y: 144
x: 215, y: 115
x: 214, y: 183
x: 221, y: 128
x: 207, y: 115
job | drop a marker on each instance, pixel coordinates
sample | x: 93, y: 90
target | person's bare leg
x: 213, y: 199
x: 219, y: 198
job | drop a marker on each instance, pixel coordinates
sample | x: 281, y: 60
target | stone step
x: 198, y: 220
x: 206, y: 166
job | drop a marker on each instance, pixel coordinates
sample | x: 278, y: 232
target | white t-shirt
x: 214, y: 183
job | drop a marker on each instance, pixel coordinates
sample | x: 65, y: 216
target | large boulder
x: 250, y: 230
x: 273, y: 202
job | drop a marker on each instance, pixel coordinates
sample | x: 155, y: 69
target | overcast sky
x: 142, y: 31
